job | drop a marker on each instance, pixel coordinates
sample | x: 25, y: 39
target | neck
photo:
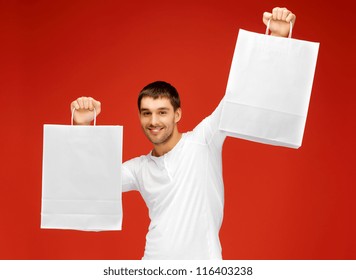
x: 163, y: 148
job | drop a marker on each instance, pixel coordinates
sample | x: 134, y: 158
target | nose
x: 154, y: 119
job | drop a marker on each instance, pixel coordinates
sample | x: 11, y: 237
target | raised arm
x: 85, y: 110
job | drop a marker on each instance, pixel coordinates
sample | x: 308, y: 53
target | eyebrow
x: 158, y: 109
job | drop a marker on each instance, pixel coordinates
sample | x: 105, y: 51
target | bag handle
x: 290, y: 28
x: 73, y: 116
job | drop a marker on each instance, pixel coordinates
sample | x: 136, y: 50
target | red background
x: 280, y: 203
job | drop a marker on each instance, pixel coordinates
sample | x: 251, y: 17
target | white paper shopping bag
x: 268, y: 89
x: 81, y: 184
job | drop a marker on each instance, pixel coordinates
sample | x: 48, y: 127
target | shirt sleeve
x: 209, y: 128
x: 129, y: 182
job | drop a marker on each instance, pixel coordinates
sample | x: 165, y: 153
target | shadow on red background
x: 279, y: 203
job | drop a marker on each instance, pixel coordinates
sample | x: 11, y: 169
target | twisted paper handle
x: 290, y: 28
x: 73, y: 116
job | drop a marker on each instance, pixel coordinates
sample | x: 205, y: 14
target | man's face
x: 158, y: 119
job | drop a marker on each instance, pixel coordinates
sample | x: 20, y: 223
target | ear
x: 177, y: 115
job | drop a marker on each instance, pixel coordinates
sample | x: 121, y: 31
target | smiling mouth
x: 155, y: 130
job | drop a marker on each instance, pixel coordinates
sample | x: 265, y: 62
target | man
x: 181, y: 178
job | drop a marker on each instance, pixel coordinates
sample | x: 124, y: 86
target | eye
x: 163, y: 113
x: 146, y: 114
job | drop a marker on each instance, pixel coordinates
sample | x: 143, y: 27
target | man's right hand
x: 84, y: 113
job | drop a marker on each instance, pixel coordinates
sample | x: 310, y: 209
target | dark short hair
x: 160, y: 89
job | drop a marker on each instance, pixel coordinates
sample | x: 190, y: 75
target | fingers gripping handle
x: 290, y: 28
x: 72, y: 120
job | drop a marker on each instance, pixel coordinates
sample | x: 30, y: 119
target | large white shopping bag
x: 268, y: 90
x: 81, y: 184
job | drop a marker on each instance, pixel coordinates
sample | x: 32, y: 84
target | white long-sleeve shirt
x: 184, y: 193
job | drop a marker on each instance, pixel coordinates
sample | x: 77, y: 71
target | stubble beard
x: 164, y: 139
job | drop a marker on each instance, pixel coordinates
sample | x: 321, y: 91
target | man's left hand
x: 280, y: 21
